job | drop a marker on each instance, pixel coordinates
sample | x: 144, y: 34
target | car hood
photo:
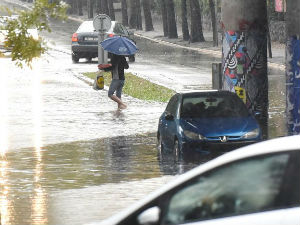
x: 211, y: 127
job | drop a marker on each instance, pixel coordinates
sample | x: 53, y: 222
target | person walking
x: 118, y: 64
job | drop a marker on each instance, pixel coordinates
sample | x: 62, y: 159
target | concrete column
x: 293, y: 67
x: 244, y: 48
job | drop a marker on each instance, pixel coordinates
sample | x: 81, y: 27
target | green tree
x: 163, y: 6
x: 172, y: 28
x: 147, y: 15
x: 24, y: 48
x: 184, y: 24
x: 124, y: 12
x: 196, y: 22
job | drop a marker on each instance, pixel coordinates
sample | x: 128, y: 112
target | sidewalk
x: 278, y: 50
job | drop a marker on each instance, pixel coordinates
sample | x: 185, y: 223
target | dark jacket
x: 118, y: 63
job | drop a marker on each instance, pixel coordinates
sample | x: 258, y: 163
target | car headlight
x: 251, y: 134
x: 193, y: 135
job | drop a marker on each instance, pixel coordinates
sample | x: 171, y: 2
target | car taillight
x: 75, y: 37
x: 111, y: 35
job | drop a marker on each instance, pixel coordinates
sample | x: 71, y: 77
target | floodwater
x: 69, y: 157
x: 78, y: 182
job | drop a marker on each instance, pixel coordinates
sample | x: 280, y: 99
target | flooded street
x: 77, y: 182
x: 53, y: 146
x: 68, y: 156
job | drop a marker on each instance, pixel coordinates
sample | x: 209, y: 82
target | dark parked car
x: 85, y: 40
x: 201, y: 121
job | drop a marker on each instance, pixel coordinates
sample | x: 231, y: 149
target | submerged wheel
x: 75, y: 58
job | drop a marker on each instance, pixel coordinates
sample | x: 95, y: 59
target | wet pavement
x: 68, y: 155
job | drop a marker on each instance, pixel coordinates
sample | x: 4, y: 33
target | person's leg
x: 119, y: 93
x: 112, y: 88
x: 119, y: 89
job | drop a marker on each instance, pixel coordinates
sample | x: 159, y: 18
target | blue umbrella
x: 119, y: 45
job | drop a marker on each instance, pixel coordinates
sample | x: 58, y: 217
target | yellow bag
x: 99, y: 81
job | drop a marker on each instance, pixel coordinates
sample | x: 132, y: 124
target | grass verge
x: 139, y: 88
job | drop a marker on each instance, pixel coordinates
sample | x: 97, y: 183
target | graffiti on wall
x: 244, y: 65
x: 280, y: 5
x: 293, y: 85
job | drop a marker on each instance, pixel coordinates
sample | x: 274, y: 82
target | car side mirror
x: 169, y: 116
x: 149, y: 216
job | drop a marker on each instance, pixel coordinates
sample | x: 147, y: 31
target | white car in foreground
x: 256, y: 184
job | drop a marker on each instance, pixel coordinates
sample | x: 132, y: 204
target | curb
x: 203, y: 51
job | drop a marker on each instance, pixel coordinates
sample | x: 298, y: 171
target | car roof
x: 290, y: 143
x: 207, y: 92
x: 89, y: 24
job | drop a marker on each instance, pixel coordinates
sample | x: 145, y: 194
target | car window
x: 124, y: 30
x: 242, y: 187
x: 213, y: 106
x: 86, y: 26
x: 172, y: 105
x: 118, y: 29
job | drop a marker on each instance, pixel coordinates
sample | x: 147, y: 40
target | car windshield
x: 212, y: 107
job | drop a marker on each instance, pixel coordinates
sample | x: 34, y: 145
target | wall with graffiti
x: 293, y: 85
x: 245, y: 67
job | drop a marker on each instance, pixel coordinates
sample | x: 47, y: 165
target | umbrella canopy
x: 119, y: 45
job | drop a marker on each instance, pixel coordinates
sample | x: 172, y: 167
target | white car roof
x: 89, y: 24
x: 282, y: 144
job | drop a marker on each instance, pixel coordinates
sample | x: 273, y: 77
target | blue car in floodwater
x: 206, y: 121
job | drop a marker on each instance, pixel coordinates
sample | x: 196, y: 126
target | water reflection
x: 5, y: 203
x: 171, y: 164
x: 39, y: 199
x: 3, y: 113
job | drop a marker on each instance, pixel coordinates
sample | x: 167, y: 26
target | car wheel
x: 132, y: 58
x: 75, y: 58
x: 177, y: 150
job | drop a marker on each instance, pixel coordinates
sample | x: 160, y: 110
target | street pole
x: 293, y: 67
x: 100, y: 49
x: 101, y: 24
x: 244, y: 54
x: 101, y: 33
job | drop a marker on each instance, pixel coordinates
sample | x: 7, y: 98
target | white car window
x: 124, y: 30
x: 86, y: 26
x: 247, y: 186
x: 118, y: 29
